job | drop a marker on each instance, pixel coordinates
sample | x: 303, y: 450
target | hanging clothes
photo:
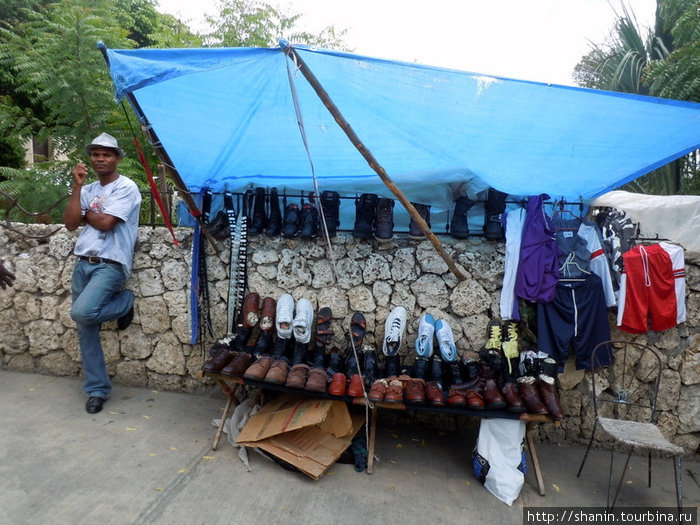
x: 538, y: 269
x: 652, y: 286
x: 514, y: 222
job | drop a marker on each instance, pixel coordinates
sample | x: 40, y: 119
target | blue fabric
x: 226, y: 118
x: 97, y: 297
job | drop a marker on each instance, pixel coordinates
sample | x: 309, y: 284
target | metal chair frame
x: 628, y: 390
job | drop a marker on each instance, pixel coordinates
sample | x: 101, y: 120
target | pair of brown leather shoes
x: 414, y: 391
x: 466, y: 394
x: 541, y: 396
x: 238, y: 365
x: 389, y: 391
x: 220, y: 359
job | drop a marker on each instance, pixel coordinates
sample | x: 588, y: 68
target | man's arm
x: 73, y: 215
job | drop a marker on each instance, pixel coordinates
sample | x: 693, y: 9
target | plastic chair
x: 624, y: 400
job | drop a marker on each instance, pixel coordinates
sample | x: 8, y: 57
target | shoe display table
x: 229, y: 386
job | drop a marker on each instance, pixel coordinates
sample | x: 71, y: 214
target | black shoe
x: 330, y: 203
x: 369, y: 370
x: 494, y: 209
x: 292, y: 220
x: 274, y: 224
x: 414, y: 232
x: 384, y: 219
x: 309, y: 221
x: 94, y: 404
x: 459, y: 226
x: 125, y: 320
x: 259, y: 216
x: 365, y: 208
x: 392, y: 365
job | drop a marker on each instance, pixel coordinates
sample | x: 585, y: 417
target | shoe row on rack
x: 498, y: 377
x: 374, y: 216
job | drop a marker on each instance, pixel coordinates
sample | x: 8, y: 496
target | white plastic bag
x: 499, y: 458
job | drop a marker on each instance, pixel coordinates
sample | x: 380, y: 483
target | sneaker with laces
x: 284, y: 316
x: 303, y: 320
x: 509, y: 342
x: 426, y: 331
x: 493, y: 332
x: 446, y: 341
x: 394, y: 329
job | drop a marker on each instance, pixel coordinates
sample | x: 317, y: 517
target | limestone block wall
x: 37, y: 333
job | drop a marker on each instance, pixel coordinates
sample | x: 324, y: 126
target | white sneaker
x: 394, y: 329
x: 446, y: 341
x: 303, y: 320
x: 426, y: 331
x: 284, y: 315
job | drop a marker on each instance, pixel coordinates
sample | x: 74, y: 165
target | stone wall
x: 38, y: 335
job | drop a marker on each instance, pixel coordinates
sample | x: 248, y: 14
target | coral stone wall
x: 37, y: 333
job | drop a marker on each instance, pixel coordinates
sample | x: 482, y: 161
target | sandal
x: 358, y: 325
x: 324, y: 332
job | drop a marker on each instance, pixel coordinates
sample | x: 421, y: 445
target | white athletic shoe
x: 426, y: 331
x: 394, y: 329
x: 446, y: 341
x: 284, y: 316
x: 303, y: 321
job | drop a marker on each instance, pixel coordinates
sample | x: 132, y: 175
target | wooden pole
x: 164, y: 193
x: 369, y: 157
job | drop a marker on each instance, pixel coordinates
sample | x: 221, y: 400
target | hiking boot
x: 384, y: 219
x: 550, y: 396
x: 284, y: 316
x: 426, y: 331
x: 309, y: 221
x: 257, y: 225
x: 299, y: 354
x: 455, y: 370
x: 394, y: 393
x: 420, y: 368
x: 281, y: 349
x: 549, y: 367
x: 394, y: 329
x: 494, y: 209
x: 267, y: 314
x: 530, y: 395
x: 263, y: 344
x: 317, y: 357
x: 378, y: 390
x: 414, y: 231
x: 512, y: 395
x: 491, y: 364
x: 219, y: 227
x: 258, y: 369
x: 493, y: 333
x: 459, y: 226
x: 414, y: 391
x: 297, y: 376
x: 330, y: 203
x: 446, y: 341
x: 436, y: 369
x: 238, y: 364
x: 365, y: 208
x: 392, y: 366
x: 292, y: 221
x: 369, y: 368
x: 492, y: 397
x: 251, y: 310
x: 222, y: 358
x: 303, y: 321
x: 335, y: 362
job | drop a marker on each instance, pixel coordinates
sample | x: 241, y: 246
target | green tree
x: 250, y: 23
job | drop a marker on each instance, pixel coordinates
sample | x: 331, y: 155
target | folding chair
x: 624, y: 400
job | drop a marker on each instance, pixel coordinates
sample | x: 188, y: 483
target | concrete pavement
x: 147, y: 459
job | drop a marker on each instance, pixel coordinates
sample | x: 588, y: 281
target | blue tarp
x: 226, y: 118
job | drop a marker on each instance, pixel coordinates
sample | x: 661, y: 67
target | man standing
x: 109, y: 210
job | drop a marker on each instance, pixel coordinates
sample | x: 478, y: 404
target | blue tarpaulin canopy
x: 226, y: 118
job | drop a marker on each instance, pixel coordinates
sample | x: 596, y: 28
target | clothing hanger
x: 570, y: 262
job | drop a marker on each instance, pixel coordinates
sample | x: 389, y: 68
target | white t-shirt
x: 121, y: 199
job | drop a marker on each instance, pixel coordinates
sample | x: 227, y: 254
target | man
x: 109, y: 209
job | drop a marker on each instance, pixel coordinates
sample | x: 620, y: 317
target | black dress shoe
x: 94, y: 404
x: 125, y: 320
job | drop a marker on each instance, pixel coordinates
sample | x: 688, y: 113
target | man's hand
x: 80, y: 173
x: 6, y: 276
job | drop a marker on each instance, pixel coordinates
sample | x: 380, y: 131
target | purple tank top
x: 538, y: 269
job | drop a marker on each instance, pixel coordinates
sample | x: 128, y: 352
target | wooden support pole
x: 163, y: 190
x: 369, y: 157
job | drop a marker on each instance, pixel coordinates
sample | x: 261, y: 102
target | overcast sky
x: 538, y: 40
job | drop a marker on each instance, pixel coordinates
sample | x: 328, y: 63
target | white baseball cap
x: 105, y: 140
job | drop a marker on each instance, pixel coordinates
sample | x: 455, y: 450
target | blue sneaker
x: 446, y: 341
x: 426, y: 331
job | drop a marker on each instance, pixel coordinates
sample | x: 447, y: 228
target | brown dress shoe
x: 355, y: 389
x: 550, y: 397
x: 378, y: 390
x: 238, y: 364
x: 475, y: 400
x: 267, y: 314
x: 434, y: 395
x: 339, y: 384
x: 297, y: 376
x: 530, y: 395
x: 512, y: 395
x: 414, y: 391
x: 251, y: 309
x: 317, y: 381
x: 492, y: 397
x: 277, y: 373
x: 222, y: 358
x: 258, y: 370
x: 456, y: 396
x: 394, y: 394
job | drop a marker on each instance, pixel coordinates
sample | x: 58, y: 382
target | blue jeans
x: 97, y: 297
